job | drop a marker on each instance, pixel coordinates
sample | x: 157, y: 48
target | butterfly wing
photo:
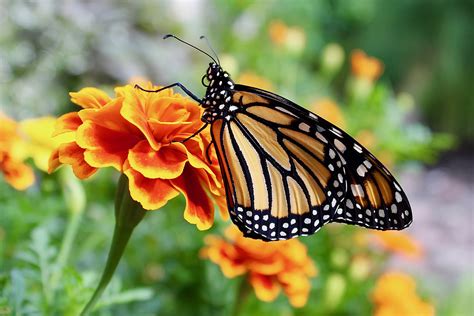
x: 287, y: 172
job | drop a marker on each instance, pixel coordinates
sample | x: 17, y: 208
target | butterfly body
x: 287, y: 171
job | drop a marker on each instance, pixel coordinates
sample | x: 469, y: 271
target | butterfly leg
x: 208, y: 154
x: 178, y: 84
x: 195, y: 133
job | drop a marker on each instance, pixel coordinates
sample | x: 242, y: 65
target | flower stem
x: 128, y: 213
x: 242, y: 294
x: 75, y: 199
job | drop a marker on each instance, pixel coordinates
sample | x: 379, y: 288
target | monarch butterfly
x: 287, y: 171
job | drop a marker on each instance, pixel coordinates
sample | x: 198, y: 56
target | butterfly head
x: 217, y: 77
x: 219, y: 86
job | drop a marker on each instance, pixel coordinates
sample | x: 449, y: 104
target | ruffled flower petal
x: 17, y: 174
x: 265, y: 286
x: 151, y: 193
x: 67, y: 123
x: 270, y: 267
x: 166, y: 163
x: 133, y: 110
x: 15, y: 171
x: 72, y: 154
x: 90, y: 98
x: 105, y: 137
x: 199, y: 208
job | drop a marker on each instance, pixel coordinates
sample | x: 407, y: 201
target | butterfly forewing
x: 287, y: 172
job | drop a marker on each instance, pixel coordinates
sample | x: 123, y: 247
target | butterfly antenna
x: 184, y: 42
x: 212, y: 49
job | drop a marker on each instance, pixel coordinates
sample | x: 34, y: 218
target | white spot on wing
x: 321, y: 137
x: 357, y: 190
x: 339, y: 145
x: 358, y: 148
x: 284, y: 111
x: 336, y: 132
x: 361, y: 170
x: 304, y: 127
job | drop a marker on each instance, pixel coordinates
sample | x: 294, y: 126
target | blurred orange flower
x: 269, y: 267
x: 251, y: 79
x: 292, y: 38
x: 330, y: 111
x: 18, y: 174
x: 398, y: 242
x: 139, y: 133
x: 366, y: 67
x: 278, y: 32
x: 395, y: 295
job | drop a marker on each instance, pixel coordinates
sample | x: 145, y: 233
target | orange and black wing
x: 287, y: 172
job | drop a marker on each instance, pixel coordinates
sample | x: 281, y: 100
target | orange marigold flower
x: 395, y: 294
x: 292, y: 38
x: 270, y: 267
x: 399, y: 242
x: 15, y: 171
x: 366, y: 67
x: 278, y: 32
x: 139, y: 133
x: 330, y: 111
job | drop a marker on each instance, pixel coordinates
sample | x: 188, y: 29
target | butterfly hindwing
x: 287, y: 172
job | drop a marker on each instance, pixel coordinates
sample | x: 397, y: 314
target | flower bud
x: 332, y: 59
x: 335, y: 288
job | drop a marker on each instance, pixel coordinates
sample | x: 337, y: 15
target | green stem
x: 65, y: 250
x: 75, y: 199
x: 128, y: 213
x: 242, y: 294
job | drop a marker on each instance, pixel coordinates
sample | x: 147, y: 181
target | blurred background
x: 396, y: 75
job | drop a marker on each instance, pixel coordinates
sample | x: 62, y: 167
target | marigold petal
x: 110, y: 118
x: 267, y: 265
x: 68, y: 122
x: 90, y: 98
x: 150, y: 193
x: 38, y: 140
x: 399, y: 242
x: 17, y: 174
x: 166, y: 163
x: 199, y: 208
x: 298, y: 299
x: 72, y: 154
x: 106, y: 135
x: 53, y: 162
x: 196, y: 155
x: 366, y: 67
x: 265, y: 286
x: 134, y: 111
x: 102, y: 148
x: 225, y: 255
